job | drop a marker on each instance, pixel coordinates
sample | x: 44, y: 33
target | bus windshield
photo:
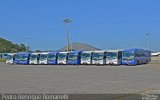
x: 112, y: 55
x: 9, y: 57
x: 72, y: 56
x: 62, y: 56
x: 86, y: 55
x: 43, y: 56
x: 33, y: 57
x: 98, y: 56
x: 51, y: 56
x: 128, y: 55
x: 21, y: 57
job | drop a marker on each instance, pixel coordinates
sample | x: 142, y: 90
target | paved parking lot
x: 79, y: 79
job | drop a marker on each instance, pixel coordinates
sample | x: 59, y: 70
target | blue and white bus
x: 10, y: 58
x: 4, y: 55
x: 34, y: 58
x: 86, y: 57
x: 62, y: 58
x: 22, y: 58
x: 43, y: 58
x: 114, y: 57
x: 74, y: 58
x: 135, y: 56
x: 52, y: 58
x: 99, y: 57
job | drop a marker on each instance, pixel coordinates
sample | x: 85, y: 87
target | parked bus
x: 136, y: 56
x: 43, y: 58
x: 34, y: 58
x: 22, y: 58
x: 74, y: 58
x: 114, y: 57
x: 10, y: 58
x: 86, y: 57
x: 62, y: 58
x: 4, y: 55
x: 52, y: 58
x: 98, y: 57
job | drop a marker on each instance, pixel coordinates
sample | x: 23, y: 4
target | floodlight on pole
x: 67, y: 21
x: 147, y: 42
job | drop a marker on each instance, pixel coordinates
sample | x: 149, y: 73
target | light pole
x: 48, y: 47
x: 147, y: 44
x: 71, y: 44
x: 67, y: 21
x: 26, y: 38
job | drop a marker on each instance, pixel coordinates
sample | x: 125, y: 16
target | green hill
x: 8, y: 46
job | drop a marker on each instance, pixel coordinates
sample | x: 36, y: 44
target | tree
x: 8, y: 46
x: 38, y: 51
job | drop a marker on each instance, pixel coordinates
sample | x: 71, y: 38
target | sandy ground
x: 79, y: 79
x: 155, y: 60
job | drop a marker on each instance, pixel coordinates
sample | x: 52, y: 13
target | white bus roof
x: 99, y: 51
x: 44, y: 53
x: 35, y: 53
x: 11, y: 53
x: 87, y: 51
x: 63, y: 52
x: 114, y: 50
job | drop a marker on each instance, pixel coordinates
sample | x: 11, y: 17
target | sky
x: 105, y: 24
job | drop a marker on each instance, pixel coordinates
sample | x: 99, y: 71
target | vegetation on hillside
x: 8, y: 46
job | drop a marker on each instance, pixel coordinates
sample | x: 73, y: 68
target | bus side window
x: 38, y: 57
x: 28, y: 57
x: 104, y: 55
x: 119, y: 55
x: 138, y: 53
x: 56, y: 56
x: 91, y: 56
x: 79, y: 56
x: 13, y: 57
x: 67, y: 56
